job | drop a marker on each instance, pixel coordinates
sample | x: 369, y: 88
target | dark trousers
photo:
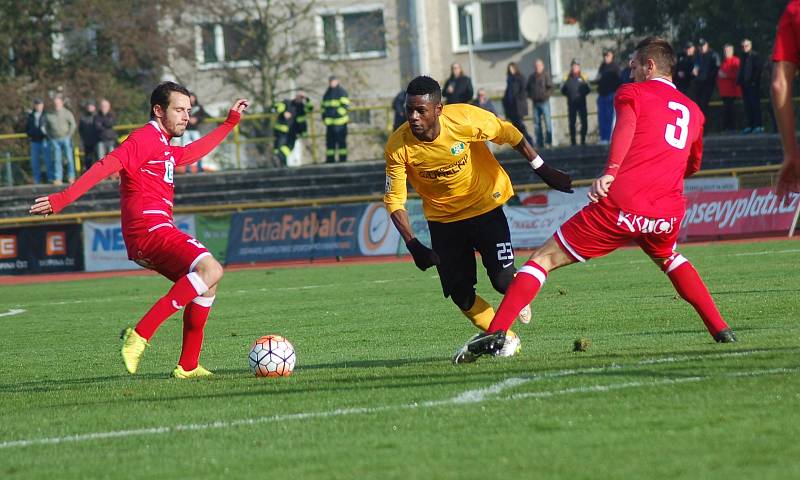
x: 728, y: 114
x: 575, y: 110
x: 284, y: 144
x: 516, y: 120
x: 336, y: 143
x: 752, y: 105
x: 704, y: 92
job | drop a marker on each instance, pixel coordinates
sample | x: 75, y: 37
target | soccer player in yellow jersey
x: 442, y: 152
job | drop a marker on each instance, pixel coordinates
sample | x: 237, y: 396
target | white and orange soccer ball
x: 272, y: 356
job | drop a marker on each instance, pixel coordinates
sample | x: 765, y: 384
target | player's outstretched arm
x: 202, y: 147
x: 553, y: 177
x: 424, y: 257
x: 56, y: 202
x: 600, y: 187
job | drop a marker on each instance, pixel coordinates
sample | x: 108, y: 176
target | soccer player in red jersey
x: 146, y: 162
x: 657, y: 142
x: 786, y: 56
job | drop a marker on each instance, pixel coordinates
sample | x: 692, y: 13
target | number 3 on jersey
x: 676, y: 134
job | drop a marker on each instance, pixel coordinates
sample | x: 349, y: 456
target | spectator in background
x: 729, y: 91
x: 399, y: 108
x: 684, y: 70
x: 282, y: 131
x: 60, y: 126
x: 749, y: 79
x: 575, y: 88
x: 608, y: 81
x: 515, y: 104
x: 457, y: 88
x: 539, y: 88
x: 706, y: 67
x: 302, y: 107
x: 104, y: 122
x: 626, y: 75
x: 335, y: 103
x: 483, y: 101
x: 34, y: 128
x: 87, y: 131
x: 197, y: 115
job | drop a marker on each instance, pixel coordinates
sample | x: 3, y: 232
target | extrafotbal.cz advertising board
x: 311, y: 232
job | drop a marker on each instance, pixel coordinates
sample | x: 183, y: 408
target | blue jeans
x: 605, y: 115
x: 59, y: 146
x: 39, y: 161
x: 541, y: 111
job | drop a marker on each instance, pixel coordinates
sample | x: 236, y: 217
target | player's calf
x: 690, y: 287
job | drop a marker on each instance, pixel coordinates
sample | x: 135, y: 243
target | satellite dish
x: 533, y: 23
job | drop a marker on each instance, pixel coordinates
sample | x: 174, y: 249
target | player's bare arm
x: 553, y: 177
x: 424, y: 257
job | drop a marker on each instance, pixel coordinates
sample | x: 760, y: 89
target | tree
x: 682, y: 20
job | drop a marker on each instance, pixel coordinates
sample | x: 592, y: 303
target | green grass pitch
x: 374, y: 394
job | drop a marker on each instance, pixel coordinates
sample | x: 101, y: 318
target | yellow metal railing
x: 239, y: 207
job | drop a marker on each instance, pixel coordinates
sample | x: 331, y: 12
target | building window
x: 229, y: 44
x: 494, y: 24
x: 352, y: 34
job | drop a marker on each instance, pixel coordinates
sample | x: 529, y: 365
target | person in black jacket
x: 705, y: 71
x: 539, y: 88
x: 608, y: 81
x: 575, y: 88
x: 515, y: 103
x: 399, y: 108
x: 684, y: 70
x: 457, y: 88
x: 34, y: 128
x: 104, y: 122
x: 750, y: 80
x: 88, y: 133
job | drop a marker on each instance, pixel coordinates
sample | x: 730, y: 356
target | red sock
x: 184, y: 290
x: 194, y: 321
x: 691, y: 287
x: 521, y: 292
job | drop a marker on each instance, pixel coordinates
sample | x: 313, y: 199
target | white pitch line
x: 460, y: 399
x: 13, y: 311
x: 767, y: 252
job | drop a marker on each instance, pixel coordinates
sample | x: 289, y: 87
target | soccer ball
x: 272, y: 356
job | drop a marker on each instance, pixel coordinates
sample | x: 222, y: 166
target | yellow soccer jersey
x: 456, y: 175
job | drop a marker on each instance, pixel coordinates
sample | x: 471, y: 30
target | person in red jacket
x: 729, y: 90
x: 657, y: 142
x: 146, y: 163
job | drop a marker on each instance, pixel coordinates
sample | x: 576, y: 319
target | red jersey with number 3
x: 667, y: 145
x: 146, y: 181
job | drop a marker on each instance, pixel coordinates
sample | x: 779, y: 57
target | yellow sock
x: 481, y: 315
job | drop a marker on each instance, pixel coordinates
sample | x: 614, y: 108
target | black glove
x: 424, y: 257
x: 555, y: 178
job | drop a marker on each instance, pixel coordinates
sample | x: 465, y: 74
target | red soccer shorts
x: 168, y: 251
x: 599, y: 229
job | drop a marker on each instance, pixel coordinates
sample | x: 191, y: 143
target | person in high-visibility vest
x: 301, y: 106
x: 335, y: 104
x: 282, y: 130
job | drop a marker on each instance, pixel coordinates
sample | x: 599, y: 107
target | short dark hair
x: 161, y: 93
x: 658, y: 50
x: 424, y: 85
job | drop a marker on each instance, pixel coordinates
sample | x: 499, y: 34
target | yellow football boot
x: 133, y: 346
x: 198, y: 372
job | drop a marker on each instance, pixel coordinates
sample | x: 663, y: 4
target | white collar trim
x: 664, y: 80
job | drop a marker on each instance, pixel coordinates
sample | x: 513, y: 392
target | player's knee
x: 502, y: 279
x: 464, y: 298
x: 210, y: 271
